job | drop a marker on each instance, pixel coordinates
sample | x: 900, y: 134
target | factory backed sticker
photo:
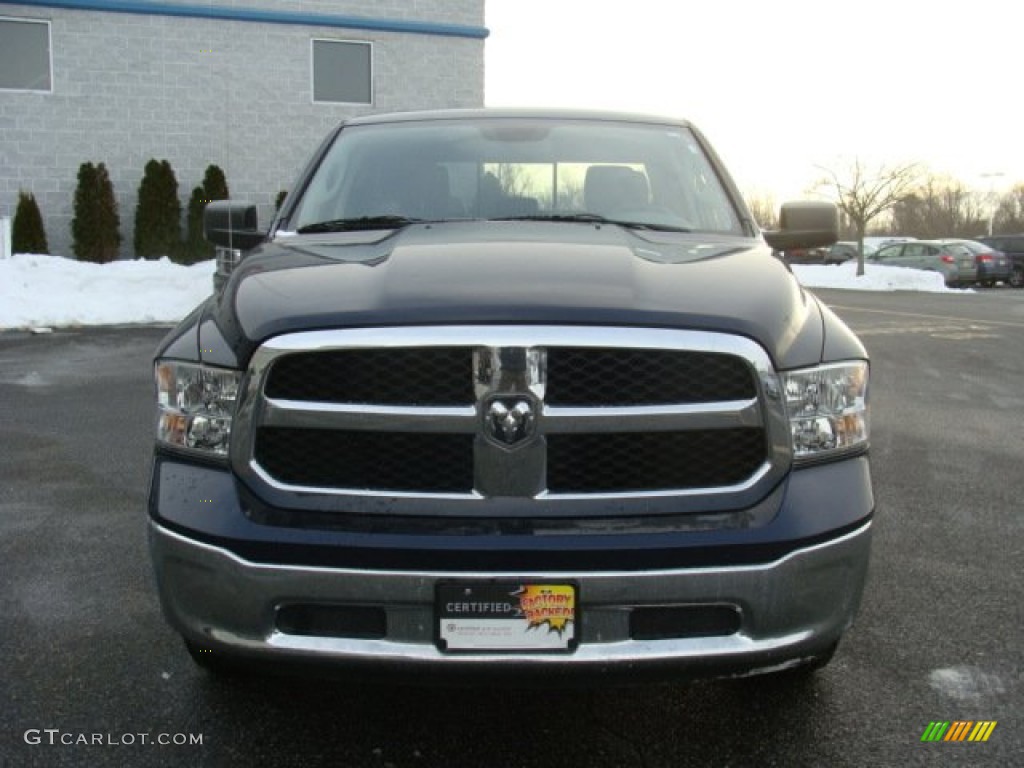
x: 506, y: 616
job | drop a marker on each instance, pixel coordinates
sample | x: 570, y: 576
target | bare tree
x: 863, y: 193
x: 939, y: 207
x: 1009, y: 214
x: 764, y: 210
x: 569, y: 196
x: 513, y: 178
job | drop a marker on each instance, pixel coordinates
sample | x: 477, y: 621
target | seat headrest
x: 611, y: 188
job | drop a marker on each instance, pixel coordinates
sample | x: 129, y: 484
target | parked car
x: 877, y: 242
x: 955, y: 262
x: 805, y: 256
x: 993, y: 264
x: 845, y: 250
x: 1013, y: 247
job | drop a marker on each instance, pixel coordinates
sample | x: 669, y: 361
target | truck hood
x: 462, y: 273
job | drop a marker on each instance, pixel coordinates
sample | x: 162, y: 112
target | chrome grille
x: 576, y: 376
x: 392, y: 420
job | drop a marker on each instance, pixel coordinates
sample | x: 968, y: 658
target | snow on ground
x: 875, y: 278
x: 40, y: 291
x: 47, y: 291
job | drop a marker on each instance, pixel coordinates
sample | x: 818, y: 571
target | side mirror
x: 805, y: 224
x: 232, y: 225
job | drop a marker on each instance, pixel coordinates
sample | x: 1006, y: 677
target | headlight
x: 828, y: 409
x: 195, y: 404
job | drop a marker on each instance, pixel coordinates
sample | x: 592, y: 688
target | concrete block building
x: 249, y: 85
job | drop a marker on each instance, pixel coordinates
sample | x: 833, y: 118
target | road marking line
x: 953, y: 331
x: 947, y: 318
x: 965, y: 336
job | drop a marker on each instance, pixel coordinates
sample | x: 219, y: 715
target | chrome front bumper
x: 791, y: 609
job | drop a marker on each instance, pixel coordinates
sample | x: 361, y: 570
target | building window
x: 342, y: 72
x: 24, y: 55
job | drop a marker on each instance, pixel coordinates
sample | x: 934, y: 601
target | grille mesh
x: 428, y: 376
x: 642, y: 461
x: 381, y: 461
x: 584, y: 376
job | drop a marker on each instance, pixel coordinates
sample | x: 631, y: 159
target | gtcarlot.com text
x: 55, y: 737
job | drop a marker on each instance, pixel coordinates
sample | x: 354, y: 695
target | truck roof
x: 517, y: 112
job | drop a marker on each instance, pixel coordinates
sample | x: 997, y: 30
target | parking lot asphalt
x: 86, y: 658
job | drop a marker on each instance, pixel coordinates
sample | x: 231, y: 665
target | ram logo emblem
x: 510, y: 421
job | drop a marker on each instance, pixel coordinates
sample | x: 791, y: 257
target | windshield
x: 570, y: 170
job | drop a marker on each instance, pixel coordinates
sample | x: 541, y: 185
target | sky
x: 783, y: 88
x: 44, y: 292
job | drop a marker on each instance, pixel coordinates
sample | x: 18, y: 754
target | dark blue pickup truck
x: 512, y: 392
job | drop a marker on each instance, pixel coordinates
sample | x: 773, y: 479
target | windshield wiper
x: 357, y: 223
x: 572, y: 217
x: 594, y: 218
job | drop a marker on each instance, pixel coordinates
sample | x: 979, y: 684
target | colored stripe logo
x: 959, y: 730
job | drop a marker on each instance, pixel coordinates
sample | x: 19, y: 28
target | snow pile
x: 41, y: 291
x: 53, y: 291
x: 875, y: 278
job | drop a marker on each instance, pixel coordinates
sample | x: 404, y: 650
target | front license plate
x: 506, y: 616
